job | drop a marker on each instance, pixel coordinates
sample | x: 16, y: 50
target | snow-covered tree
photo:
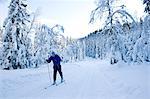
x: 115, y: 17
x: 42, y: 43
x: 147, y: 7
x: 94, y: 45
x: 15, y: 36
x: 1, y: 46
x: 82, y: 48
x: 1, y: 32
x: 72, y: 50
x: 47, y: 40
x: 142, y: 46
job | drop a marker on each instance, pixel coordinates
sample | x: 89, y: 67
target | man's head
x: 53, y: 53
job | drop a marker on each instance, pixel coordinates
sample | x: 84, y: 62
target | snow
x: 88, y: 79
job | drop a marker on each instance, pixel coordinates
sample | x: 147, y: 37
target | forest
x: 26, y: 44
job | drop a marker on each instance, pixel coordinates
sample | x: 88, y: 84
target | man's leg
x: 60, y: 72
x: 54, y: 76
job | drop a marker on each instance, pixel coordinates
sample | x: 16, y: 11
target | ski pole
x: 49, y: 73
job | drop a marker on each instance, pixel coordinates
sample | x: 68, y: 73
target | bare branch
x: 93, y: 13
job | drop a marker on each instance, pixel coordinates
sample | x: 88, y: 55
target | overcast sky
x: 74, y: 15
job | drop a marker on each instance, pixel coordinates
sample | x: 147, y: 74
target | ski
x: 50, y: 86
x: 57, y: 84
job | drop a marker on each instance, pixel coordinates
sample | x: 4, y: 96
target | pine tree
x: 15, y: 38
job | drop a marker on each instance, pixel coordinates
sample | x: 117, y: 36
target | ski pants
x: 57, y: 68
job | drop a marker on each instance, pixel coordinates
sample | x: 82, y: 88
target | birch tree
x: 112, y: 24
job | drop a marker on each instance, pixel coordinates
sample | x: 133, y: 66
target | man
x: 56, y: 66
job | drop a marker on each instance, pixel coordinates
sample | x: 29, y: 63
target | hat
x: 53, y: 53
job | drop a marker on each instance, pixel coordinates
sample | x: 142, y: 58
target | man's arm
x: 49, y: 59
x: 59, y: 58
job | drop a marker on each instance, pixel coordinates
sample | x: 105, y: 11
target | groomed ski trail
x: 91, y: 79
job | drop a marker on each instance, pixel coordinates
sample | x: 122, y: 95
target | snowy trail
x: 92, y: 79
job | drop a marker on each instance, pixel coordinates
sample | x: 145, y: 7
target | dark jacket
x: 56, y: 60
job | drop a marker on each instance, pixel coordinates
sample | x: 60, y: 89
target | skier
x: 56, y: 66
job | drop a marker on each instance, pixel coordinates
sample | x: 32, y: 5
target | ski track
x: 91, y: 79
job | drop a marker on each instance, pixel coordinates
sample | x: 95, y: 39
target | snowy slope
x: 90, y: 79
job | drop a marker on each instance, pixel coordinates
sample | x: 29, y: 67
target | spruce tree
x: 15, y: 52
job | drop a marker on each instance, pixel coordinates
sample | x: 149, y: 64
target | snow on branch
x: 124, y: 13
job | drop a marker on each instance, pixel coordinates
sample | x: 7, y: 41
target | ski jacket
x: 56, y: 60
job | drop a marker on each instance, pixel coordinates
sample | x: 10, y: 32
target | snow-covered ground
x: 90, y: 79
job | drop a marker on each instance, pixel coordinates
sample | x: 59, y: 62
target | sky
x: 73, y: 15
